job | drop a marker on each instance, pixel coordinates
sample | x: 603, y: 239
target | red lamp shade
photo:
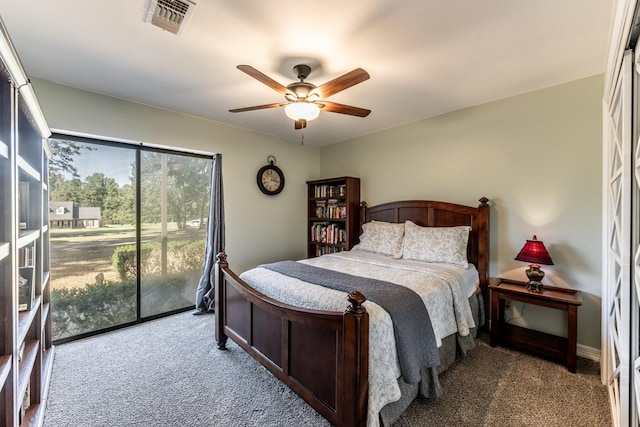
x: 534, y: 252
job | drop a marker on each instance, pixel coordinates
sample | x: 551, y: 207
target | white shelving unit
x: 26, y: 353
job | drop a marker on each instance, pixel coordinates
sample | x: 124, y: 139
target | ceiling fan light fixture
x: 313, y: 97
x: 303, y: 99
x: 302, y: 111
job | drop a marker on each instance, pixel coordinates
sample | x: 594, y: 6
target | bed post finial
x: 222, y: 259
x: 356, y: 298
x: 483, y: 201
x: 363, y: 216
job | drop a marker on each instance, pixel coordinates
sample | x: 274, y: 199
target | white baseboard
x: 588, y: 352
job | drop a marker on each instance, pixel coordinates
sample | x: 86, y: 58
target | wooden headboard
x: 429, y: 213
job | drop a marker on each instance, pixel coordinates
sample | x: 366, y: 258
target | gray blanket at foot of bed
x: 415, y: 339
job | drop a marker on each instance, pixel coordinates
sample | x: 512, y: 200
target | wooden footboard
x: 321, y: 355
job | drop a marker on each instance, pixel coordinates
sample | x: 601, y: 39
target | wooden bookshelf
x: 333, y: 214
x: 26, y: 353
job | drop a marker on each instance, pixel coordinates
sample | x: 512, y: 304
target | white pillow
x: 436, y: 244
x: 382, y: 238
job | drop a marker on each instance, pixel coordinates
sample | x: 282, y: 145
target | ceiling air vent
x: 170, y: 15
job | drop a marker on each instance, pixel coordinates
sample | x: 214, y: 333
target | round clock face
x: 270, y: 180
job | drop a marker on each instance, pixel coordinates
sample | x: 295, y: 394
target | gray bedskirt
x: 429, y: 386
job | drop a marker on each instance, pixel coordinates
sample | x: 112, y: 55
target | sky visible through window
x: 113, y: 162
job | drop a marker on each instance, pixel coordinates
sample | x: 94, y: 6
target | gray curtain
x: 215, y: 239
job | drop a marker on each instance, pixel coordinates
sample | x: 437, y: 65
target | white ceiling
x: 425, y: 57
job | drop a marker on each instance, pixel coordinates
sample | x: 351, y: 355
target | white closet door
x: 617, y: 301
x: 634, y: 332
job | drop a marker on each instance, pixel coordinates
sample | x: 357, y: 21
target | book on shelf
x: 323, y: 250
x: 336, y: 209
x: 332, y: 208
x: 328, y: 233
x: 330, y: 190
x: 321, y: 207
x: 26, y: 288
x: 26, y: 256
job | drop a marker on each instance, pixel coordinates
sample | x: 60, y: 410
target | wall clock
x: 270, y: 178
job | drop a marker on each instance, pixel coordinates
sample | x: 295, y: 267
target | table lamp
x: 534, y: 252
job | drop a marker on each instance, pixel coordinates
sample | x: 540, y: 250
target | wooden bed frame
x: 322, y: 355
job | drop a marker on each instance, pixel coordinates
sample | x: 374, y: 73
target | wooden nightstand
x: 553, y: 297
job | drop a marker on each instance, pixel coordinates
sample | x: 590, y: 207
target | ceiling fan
x: 305, y: 100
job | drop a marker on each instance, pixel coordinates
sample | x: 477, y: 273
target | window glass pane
x: 93, y: 237
x: 174, y: 196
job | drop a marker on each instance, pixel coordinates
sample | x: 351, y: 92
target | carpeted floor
x: 499, y: 387
x: 169, y: 373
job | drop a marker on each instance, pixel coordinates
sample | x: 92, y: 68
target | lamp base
x: 535, y: 275
x: 535, y: 287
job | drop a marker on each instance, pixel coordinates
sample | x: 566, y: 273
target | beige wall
x: 259, y: 228
x: 537, y: 157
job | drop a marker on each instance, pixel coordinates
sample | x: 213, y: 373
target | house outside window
x: 64, y: 215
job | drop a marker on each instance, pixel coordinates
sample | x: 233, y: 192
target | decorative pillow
x: 436, y: 244
x: 382, y: 238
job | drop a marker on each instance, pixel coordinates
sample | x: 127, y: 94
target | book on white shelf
x: 26, y: 289
x: 26, y: 256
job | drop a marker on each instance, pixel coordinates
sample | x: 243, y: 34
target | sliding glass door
x: 174, y: 199
x: 128, y: 227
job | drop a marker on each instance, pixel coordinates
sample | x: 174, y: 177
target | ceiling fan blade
x: 334, y: 107
x: 343, y: 82
x: 257, y: 107
x: 264, y: 79
x: 300, y: 124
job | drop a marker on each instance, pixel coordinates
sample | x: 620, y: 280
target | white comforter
x: 441, y: 288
